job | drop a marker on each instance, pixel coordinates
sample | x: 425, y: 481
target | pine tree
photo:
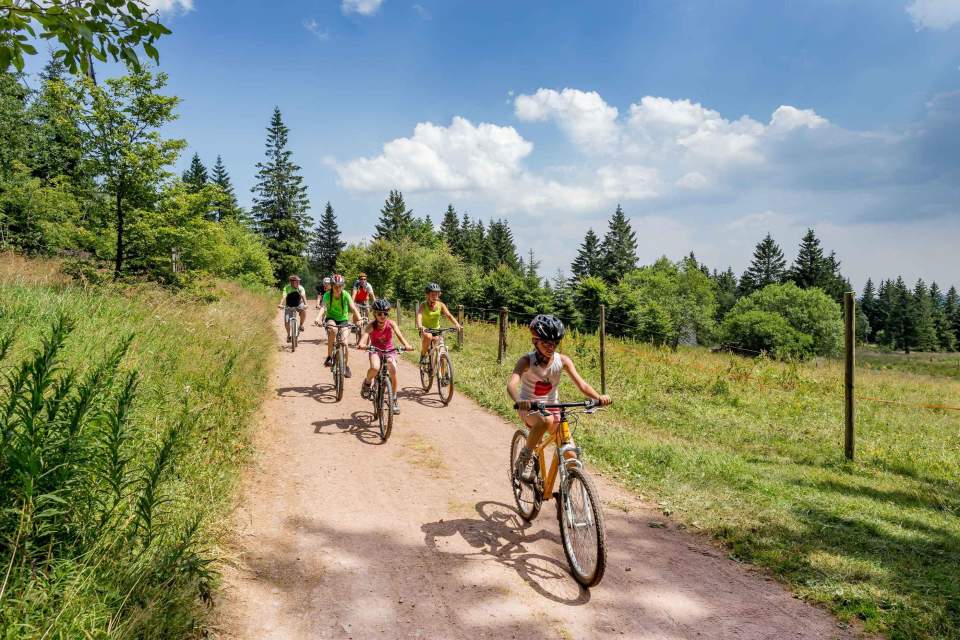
x: 450, y: 230
x: 619, y: 248
x: 195, y: 177
x: 475, y: 242
x: 589, y: 260
x: 726, y: 291
x: 869, y: 305
x: 564, y: 304
x: 946, y: 340
x: 396, y: 222
x: 768, y: 267
x: 500, y: 246
x: 900, y: 325
x: 810, y: 269
x: 951, y: 308
x: 325, y: 244
x: 226, y: 207
x: 280, y: 203
x: 926, y: 333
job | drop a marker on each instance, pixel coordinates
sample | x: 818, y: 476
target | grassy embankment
x: 750, y: 452
x: 118, y: 466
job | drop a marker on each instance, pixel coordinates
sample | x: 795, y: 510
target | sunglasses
x: 381, y: 313
x: 547, y: 343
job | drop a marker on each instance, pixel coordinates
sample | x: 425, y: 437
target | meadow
x: 749, y: 452
x: 126, y: 415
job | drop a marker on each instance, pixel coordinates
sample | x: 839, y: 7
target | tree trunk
x: 119, y: 263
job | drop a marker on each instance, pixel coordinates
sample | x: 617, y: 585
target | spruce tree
x: 195, y: 177
x: 280, y: 203
x: 325, y: 244
x: 868, y: 304
x: 946, y: 341
x: 768, y: 267
x: 564, y: 304
x: 589, y: 260
x: 450, y: 230
x: 951, y: 309
x: 619, y: 248
x: 475, y: 242
x: 926, y: 332
x: 396, y: 221
x: 810, y: 269
x: 226, y: 207
x: 900, y: 325
x: 501, y: 248
x: 726, y: 291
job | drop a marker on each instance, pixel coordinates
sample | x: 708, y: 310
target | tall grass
x: 750, y: 452
x: 122, y: 413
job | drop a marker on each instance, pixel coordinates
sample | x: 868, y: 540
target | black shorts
x: 339, y: 323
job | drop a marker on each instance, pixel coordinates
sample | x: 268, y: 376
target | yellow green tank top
x: 431, y: 318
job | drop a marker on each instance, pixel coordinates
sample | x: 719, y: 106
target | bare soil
x: 338, y: 535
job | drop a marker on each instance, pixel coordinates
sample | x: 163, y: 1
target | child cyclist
x: 428, y: 317
x: 380, y: 334
x: 536, y: 377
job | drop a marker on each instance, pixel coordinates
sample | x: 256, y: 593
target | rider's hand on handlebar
x: 523, y: 405
x: 605, y: 400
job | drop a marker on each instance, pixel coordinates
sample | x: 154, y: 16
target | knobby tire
x: 527, y: 497
x: 587, y: 556
x: 445, y: 379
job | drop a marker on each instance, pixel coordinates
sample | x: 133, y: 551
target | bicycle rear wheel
x: 293, y: 327
x: 581, y: 528
x: 385, y: 417
x: 527, y: 495
x: 338, y: 373
x: 426, y: 373
x: 445, y: 379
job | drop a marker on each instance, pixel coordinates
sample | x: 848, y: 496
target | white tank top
x: 540, y: 383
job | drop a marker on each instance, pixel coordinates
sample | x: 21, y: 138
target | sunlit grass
x: 750, y: 452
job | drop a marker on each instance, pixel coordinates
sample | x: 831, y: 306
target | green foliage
x: 195, y: 177
x: 589, y: 260
x: 88, y: 29
x: 807, y: 312
x: 396, y: 221
x: 280, y: 203
x: 325, y: 244
x: 767, y: 332
x: 619, y: 248
x: 768, y: 267
x: 226, y: 207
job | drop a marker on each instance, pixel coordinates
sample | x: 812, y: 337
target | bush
x: 809, y: 322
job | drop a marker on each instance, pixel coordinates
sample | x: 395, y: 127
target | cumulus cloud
x: 313, y: 27
x: 360, y: 7
x: 934, y: 14
x: 170, y: 6
x: 584, y: 116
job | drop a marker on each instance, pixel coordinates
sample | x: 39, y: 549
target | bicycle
x: 381, y: 393
x: 339, y: 359
x: 438, y: 366
x: 364, y: 310
x: 578, y: 505
x: 291, y: 319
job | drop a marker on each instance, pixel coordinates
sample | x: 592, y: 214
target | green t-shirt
x: 338, y: 310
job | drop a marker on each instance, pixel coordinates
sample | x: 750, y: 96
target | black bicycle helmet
x: 381, y: 304
x: 547, y: 327
x: 433, y: 286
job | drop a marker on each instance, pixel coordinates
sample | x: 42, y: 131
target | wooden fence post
x: 502, y: 342
x: 460, y: 321
x: 849, y: 338
x: 603, y: 349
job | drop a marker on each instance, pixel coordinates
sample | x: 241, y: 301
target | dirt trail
x: 339, y: 536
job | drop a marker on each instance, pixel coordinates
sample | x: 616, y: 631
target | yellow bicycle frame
x: 563, y: 440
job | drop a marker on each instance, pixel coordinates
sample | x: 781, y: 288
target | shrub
x: 763, y: 331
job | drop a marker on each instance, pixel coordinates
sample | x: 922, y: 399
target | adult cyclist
x: 428, y: 317
x: 337, y: 306
x: 536, y: 377
x: 294, y: 295
x: 363, y: 290
x: 322, y: 289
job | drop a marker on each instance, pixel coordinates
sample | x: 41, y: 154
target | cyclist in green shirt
x: 428, y: 317
x: 338, y: 307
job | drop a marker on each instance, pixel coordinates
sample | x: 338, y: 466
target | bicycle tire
x: 385, y: 418
x: 526, y: 496
x: 294, y: 332
x: 338, y: 372
x: 445, y: 379
x: 426, y: 373
x: 584, y: 571
x: 375, y: 398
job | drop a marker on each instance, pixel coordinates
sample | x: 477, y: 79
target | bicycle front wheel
x: 338, y: 373
x: 526, y: 494
x: 581, y: 528
x: 445, y: 379
x: 426, y: 374
x: 386, y: 409
x: 294, y: 332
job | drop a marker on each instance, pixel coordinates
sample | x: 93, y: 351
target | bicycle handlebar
x: 373, y: 349
x: 543, y: 406
x: 437, y: 332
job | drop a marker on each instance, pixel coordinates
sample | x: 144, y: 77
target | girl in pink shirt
x: 380, y: 334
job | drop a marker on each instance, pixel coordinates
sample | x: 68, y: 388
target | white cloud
x: 584, y: 116
x: 693, y: 181
x: 361, y: 7
x: 170, y: 6
x: 629, y: 182
x: 313, y: 27
x: 934, y: 14
x: 787, y: 118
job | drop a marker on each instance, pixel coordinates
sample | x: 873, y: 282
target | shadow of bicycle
x: 323, y: 393
x: 501, y: 534
x: 361, y: 425
x: 417, y: 394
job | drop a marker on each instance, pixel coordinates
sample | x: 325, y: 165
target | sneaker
x: 328, y: 362
x: 346, y: 372
x: 365, y: 389
x: 396, y: 407
x: 424, y: 361
x: 288, y: 339
x: 523, y: 469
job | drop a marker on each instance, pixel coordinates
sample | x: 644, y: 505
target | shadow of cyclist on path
x: 360, y: 425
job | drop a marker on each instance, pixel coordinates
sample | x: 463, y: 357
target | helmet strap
x: 542, y: 360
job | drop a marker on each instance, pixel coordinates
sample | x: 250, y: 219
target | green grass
x: 123, y: 546
x: 750, y: 452
x: 946, y: 365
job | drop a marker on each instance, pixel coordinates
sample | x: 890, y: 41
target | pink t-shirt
x: 382, y: 338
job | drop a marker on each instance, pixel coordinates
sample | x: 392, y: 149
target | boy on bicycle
x: 428, y: 317
x: 337, y: 306
x: 294, y: 295
x: 379, y: 334
x: 535, y: 378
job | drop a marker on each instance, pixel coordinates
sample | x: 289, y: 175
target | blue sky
x: 710, y: 122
